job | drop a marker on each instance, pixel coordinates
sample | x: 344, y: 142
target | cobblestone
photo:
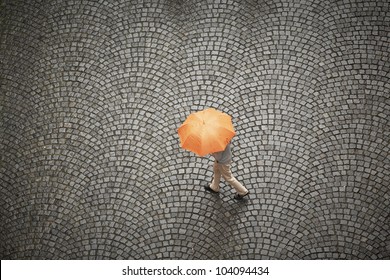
x: 92, y: 93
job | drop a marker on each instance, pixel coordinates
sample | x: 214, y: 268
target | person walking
x: 221, y: 168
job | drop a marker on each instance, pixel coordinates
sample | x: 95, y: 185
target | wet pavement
x: 92, y: 93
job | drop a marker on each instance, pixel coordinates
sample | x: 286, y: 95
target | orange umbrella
x: 206, y: 132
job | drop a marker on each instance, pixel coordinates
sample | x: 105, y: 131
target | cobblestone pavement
x: 92, y: 93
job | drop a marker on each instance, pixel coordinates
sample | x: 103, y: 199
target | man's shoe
x: 239, y: 197
x: 209, y: 189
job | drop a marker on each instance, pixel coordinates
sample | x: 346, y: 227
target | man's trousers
x: 223, y: 170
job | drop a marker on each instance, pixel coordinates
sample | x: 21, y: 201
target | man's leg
x: 228, y: 176
x: 217, y: 177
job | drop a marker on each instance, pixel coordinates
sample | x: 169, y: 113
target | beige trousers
x: 224, y: 171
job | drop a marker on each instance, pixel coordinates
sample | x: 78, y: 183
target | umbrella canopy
x: 206, y: 132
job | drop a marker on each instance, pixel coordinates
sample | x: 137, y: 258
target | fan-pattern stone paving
x: 92, y: 93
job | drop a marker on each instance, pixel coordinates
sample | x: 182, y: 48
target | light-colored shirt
x: 224, y: 157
